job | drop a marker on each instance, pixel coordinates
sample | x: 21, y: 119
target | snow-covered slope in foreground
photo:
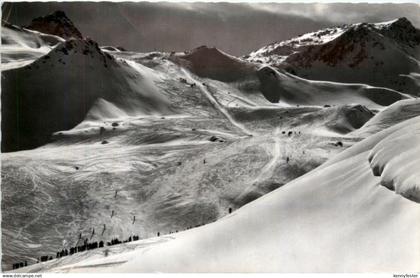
x: 338, y: 218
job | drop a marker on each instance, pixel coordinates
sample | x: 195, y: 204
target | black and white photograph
x: 210, y: 137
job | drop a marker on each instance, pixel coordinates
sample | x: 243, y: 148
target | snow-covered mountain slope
x: 215, y: 64
x: 386, y: 158
x: 340, y: 210
x: 381, y: 54
x: 57, y: 91
x: 57, y: 24
x: 340, y: 119
x: 172, y: 170
x: 176, y: 140
x: 168, y: 172
x: 282, y: 86
x: 391, y: 115
x: 20, y: 46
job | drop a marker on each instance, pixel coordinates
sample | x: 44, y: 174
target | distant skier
x: 112, y: 213
x: 116, y: 192
x: 230, y: 210
x: 287, y: 160
x: 134, y: 219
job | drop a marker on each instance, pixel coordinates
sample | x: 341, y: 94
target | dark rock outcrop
x: 57, y: 24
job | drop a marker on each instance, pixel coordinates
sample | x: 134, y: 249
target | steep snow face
x: 57, y: 24
x: 20, y: 47
x: 282, y: 86
x: 384, y: 55
x: 57, y: 91
x: 215, y: 64
x: 388, y: 156
x: 335, y: 211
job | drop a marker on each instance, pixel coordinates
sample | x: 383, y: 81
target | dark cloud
x: 234, y: 28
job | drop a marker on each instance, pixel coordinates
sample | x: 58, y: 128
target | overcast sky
x: 236, y: 28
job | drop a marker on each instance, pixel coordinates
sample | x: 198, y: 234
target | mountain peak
x: 400, y: 30
x: 83, y: 47
x: 206, y: 50
x: 57, y: 24
x: 402, y: 22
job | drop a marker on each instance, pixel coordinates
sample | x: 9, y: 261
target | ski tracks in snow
x: 269, y: 167
x: 216, y: 104
x: 267, y: 170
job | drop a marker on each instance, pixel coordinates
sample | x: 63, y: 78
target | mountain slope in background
x: 215, y: 64
x: 57, y: 91
x: 282, y: 86
x: 381, y: 54
x: 236, y: 28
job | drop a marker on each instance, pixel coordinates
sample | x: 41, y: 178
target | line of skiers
x: 86, y: 246
x: 93, y: 245
x: 116, y: 241
x: 23, y: 264
x: 19, y: 265
x: 290, y: 133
